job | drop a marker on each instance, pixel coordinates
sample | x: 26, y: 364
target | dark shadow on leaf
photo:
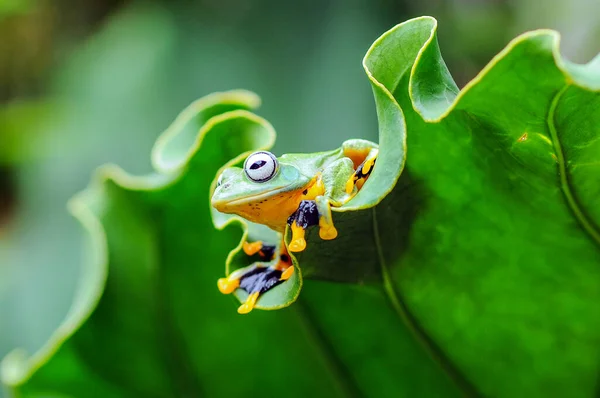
x: 354, y: 256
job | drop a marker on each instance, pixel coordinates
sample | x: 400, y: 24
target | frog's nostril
x: 225, y: 186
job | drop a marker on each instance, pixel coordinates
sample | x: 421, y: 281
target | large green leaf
x: 483, y: 258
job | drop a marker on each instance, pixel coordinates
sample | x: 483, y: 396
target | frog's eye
x: 261, y: 166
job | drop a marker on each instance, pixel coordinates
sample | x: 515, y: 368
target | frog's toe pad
x: 252, y: 248
x: 249, y: 304
x: 287, y: 274
x: 227, y: 286
x: 328, y: 232
x: 297, y: 245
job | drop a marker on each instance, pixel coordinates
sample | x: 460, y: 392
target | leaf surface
x: 477, y: 273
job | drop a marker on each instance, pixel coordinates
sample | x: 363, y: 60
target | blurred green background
x: 85, y: 83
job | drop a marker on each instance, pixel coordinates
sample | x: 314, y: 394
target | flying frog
x: 296, y: 190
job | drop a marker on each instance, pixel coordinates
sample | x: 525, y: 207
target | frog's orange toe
x: 298, y: 242
x: 297, y: 245
x: 287, y: 274
x: 227, y: 286
x: 249, y: 304
x: 326, y: 229
x: 328, y: 233
x: 252, y: 248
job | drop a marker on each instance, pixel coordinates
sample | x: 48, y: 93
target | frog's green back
x: 309, y: 164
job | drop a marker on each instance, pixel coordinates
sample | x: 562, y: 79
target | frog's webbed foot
x: 309, y: 213
x: 362, y: 171
x: 254, y: 280
x: 257, y: 279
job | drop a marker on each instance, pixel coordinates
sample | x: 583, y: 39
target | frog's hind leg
x: 284, y: 263
x: 258, y: 278
x: 357, y: 150
x: 255, y: 280
x: 262, y: 279
x: 363, y: 171
x: 266, y: 252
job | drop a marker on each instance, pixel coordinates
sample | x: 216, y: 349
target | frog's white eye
x: 261, y: 166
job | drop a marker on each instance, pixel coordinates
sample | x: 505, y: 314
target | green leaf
x: 477, y: 274
x: 501, y: 261
x: 489, y: 245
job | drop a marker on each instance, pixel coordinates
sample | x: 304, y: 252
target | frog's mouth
x: 224, y: 205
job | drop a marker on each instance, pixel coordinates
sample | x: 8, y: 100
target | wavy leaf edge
x: 16, y: 368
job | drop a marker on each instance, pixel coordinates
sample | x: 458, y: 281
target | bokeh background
x: 83, y: 83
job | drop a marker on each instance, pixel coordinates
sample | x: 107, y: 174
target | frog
x: 295, y: 190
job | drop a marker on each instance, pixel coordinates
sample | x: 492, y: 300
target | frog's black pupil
x: 258, y: 164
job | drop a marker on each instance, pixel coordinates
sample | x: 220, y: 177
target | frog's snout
x: 216, y: 201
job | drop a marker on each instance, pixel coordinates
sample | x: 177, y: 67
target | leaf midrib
x: 345, y: 382
x: 411, y: 323
x: 565, y: 185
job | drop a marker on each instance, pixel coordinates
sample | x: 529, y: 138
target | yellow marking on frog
x: 298, y: 243
x: 249, y: 304
x: 522, y: 138
x: 252, y: 248
x: 227, y: 286
x: 357, y: 155
x: 368, y: 165
x: 316, y: 188
x: 326, y: 229
x: 350, y: 183
x: 362, y: 172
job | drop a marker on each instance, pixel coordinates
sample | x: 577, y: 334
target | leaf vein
x: 345, y: 381
x: 585, y: 222
x: 411, y: 323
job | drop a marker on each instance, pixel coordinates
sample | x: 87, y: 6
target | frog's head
x: 262, y: 179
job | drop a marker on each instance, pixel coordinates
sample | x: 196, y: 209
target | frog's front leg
x: 309, y: 213
x: 329, y: 190
x: 326, y: 229
x: 306, y: 216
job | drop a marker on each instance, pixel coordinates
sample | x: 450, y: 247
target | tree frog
x: 296, y: 190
